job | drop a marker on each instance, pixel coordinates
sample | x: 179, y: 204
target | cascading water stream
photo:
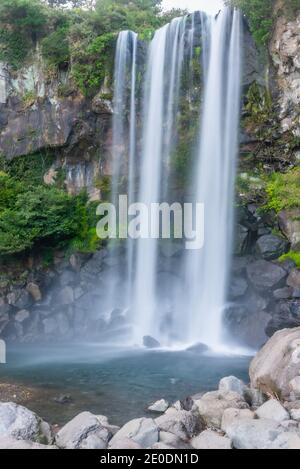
x: 208, y: 270
x: 189, y: 307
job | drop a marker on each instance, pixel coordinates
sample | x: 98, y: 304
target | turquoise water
x: 118, y: 383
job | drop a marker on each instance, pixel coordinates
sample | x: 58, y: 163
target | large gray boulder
x: 172, y: 440
x: 271, y: 247
x: 211, y: 440
x: 289, y: 222
x: 254, y: 434
x: 212, y: 405
x: 265, y: 275
x: 85, y: 431
x: 231, y: 383
x: 277, y: 364
x: 142, y: 431
x: 272, y: 410
x: 232, y: 415
x: 181, y: 423
x: 21, y: 424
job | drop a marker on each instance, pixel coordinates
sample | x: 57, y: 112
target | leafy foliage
x: 294, y: 255
x: 33, y: 214
x: 284, y: 190
x: 22, y: 23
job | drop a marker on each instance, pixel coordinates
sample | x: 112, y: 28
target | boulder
x: 181, y: 423
x: 271, y: 247
x: 277, y: 364
x: 12, y: 443
x: 85, y: 431
x: 159, y: 406
x: 286, y: 314
x: 231, y: 383
x: 237, y: 288
x: 272, y: 410
x: 150, y: 342
x: 212, y: 405
x: 34, y: 291
x: 143, y: 431
x: 198, y: 348
x: 283, y: 293
x: 289, y: 222
x: 170, y: 439
x: 254, y: 434
x: 293, y: 279
x: 295, y: 414
x: 295, y: 385
x: 232, y: 415
x: 65, y: 296
x: 211, y: 440
x: 287, y: 440
x: 21, y: 424
x: 22, y: 315
x: 265, y: 275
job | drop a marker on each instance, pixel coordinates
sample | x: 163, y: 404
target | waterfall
x: 188, y: 307
x: 207, y: 271
x: 123, y: 157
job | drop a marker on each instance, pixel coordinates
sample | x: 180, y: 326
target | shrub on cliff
x: 41, y: 214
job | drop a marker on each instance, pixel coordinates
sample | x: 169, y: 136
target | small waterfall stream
x: 187, y: 307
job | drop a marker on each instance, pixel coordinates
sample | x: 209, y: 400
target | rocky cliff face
x: 285, y: 54
x: 40, y: 112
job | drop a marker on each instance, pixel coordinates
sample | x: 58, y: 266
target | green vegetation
x: 260, y: 14
x: 283, y: 190
x: 32, y: 213
x: 294, y: 255
x: 81, y: 38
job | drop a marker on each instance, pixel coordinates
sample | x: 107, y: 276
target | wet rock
x: 241, y: 235
x: 272, y: 410
x: 237, y: 288
x: 289, y: 222
x: 283, y: 293
x: 271, y: 247
x: 34, y: 291
x: 293, y: 279
x: 198, y: 348
x: 22, y: 315
x: 19, y: 299
x: 254, y: 434
x: 20, y: 423
x: 50, y: 326
x: 232, y: 415
x: 63, y: 399
x: 211, y: 440
x: 150, y: 342
x: 295, y: 383
x: 212, y: 405
x: 277, y: 364
x: 142, y: 431
x: 85, y: 431
x: 232, y: 384
x: 265, y: 275
x: 181, y: 423
x: 65, y: 296
x: 68, y: 277
x: 246, y: 327
x: 170, y: 439
x: 286, y: 315
x: 160, y: 406
x: 295, y: 414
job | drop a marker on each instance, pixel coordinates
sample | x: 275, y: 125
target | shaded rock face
x: 285, y: 54
x: 276, y: 366
x: 36, y: 115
